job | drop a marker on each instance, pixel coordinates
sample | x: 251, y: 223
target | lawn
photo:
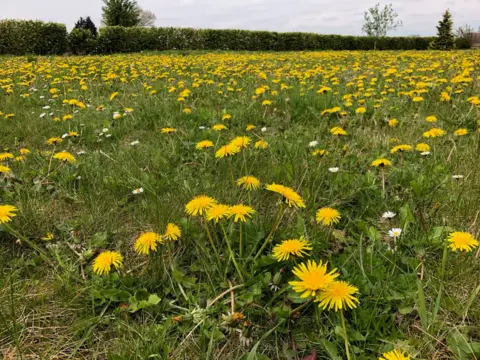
x: 240, y: 206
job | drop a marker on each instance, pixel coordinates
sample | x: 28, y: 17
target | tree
x: 464, y: 32
x: 378, y: 22
x: 445, y: 39
x: 120, y: 13
x: 86, y: 24
x: 147, y: 18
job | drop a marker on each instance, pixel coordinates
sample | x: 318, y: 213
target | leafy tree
x: 445, y: 39
x: 120, y: 13
x: 378, y: 22
x: 147, y: 18
x: 86, y: 24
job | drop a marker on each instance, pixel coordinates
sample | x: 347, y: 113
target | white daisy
x: 64, y: 136
x: 137, y: 191
x: 425, y: 153
x: 313, y: 143
x: 133, y: 143
x: 395, y: 232
x: 333, y: 169
x: 457, y: 177
x: 263, y: 129
x: 104, y: 130
x: 388, y: 215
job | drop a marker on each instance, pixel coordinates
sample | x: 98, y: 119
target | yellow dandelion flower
x: 147, y: 242
x: 218, y: 212
x: 338, y: 295
x: 113, y: 96
x: 102, y: 265
x: 53, y: 141
x: 67, y: 117
x: 249, y: 182
x: 460, y: 132
x: 240, y: 212
x: 226, y: 117
x: 381, y: 162
x: 227, y: 150
x: 392, y: 122
x: 250, y: 127
x: 431, y: 119
x: 422, y: 147
x: 291, y: 197
x: 361, y: 110
x: 266, y: 102
x: 338, y: 131
x: 73, y: 134
x: 291, y: 247
x: 172, y: 232
x: 320, y: 152
x: 24, y: 151
x: 168, y: 130
x: 187, y: 110
x: 313, y: 278
x: 417, y: 99
x: 434, y: 132
x: 219, y: 127
x: 401, y: 148
x: 395, y: 355
x: 4, y: 169
x: 5, y: 155
x: 241, y: 141
x: 199, y: 205
x: 7, y: 212
x: 328, y: 216
x: 204, y: 144
x: 261, y: 144
x: 65, y: 156
x: 445, y: 97
x: 462, y: 241
x: 48, y: 236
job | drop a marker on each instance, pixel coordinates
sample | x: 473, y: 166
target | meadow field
x: 229, y: 205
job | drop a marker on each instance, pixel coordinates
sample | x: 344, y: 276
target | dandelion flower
x: 65, y: 156
x: 4, y: 169
x: 320, y: 152
x: 227, y: 150
x: 5, y: 155
x: 113, y: 96
x: 147, y: 242
x: 250, y: 127
x: 431, y: 119
x: 361, y: 110
x: 422, y: 147
x: 199, y: 205
x: 328, y: 216
x: 249, y: 182
x: 204, y: 144
x: 392, y: 122
x: 291, y: 247
x: 337, y: 131
x: 168, y: 130
x: 460, y: 132
x: 24, y: 151
x: 53, y: 141
x: 401, y: 148
x: 218, y: 212
x: 261, y: 144
x: 7, y: 212
x: 226, y: 117
x: 434, y: 132
x: 172, y: 232
x: 394, y: 355
x: 313, y: 278
x: 241, y: 211
x: 338, y: 295
x: 219, y: 127
x: 381, y: 162
x: 103, y: 263
x: 462, y: 241
x: 241, y: 142
x: 48, y: 236
x: 292, y: 198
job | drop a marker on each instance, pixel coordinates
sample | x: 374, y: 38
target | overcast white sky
x: 320, y: 16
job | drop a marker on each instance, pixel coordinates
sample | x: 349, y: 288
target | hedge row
x: 18, y: 37
x: 121, y: 39
x: 36, y: 37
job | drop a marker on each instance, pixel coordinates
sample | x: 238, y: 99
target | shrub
x: 19, y: 37
x: 82, y: 41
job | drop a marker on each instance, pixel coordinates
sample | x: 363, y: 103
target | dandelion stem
x: 382, y: 173
x: 241, y: 241
x: 268, y: 238
x: 27, y: 241
x: 212, y: 244
x: 297, y: 309
x: 345, y: 337
x: 232, y: 255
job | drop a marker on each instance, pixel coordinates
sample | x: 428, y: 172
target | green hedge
x: 19, y: 37
x: 36, y: 37
x: 122, y: 39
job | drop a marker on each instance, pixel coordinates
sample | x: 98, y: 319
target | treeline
x: 36, y: 37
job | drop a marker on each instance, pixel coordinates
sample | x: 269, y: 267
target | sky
x: 320, y: 16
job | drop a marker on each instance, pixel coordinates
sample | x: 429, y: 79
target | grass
x: 182, y: 301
